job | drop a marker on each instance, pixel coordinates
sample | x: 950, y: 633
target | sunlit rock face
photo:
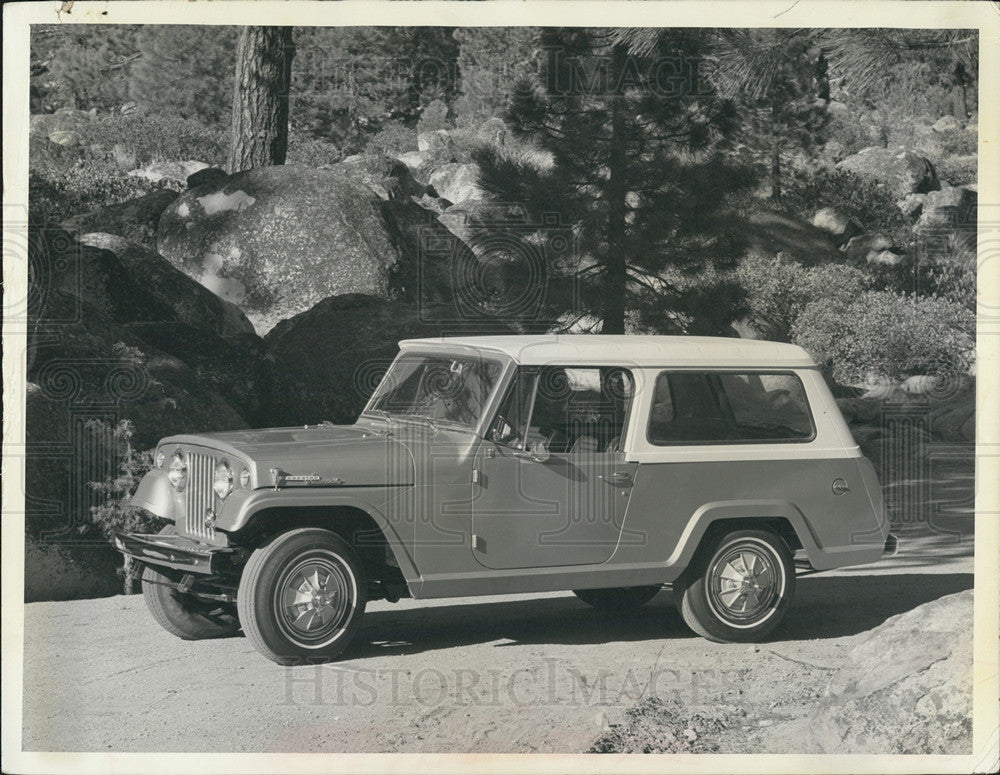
x: 276, y: 240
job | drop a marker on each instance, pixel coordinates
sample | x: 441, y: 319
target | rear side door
x: 551, y: 484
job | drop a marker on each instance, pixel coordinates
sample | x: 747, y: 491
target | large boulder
x: 458, y: 182
x: 947, y: 124
x: 132, y: 283
x: 915, y: 669
x: 331, y: 357
x: 134, y: 219
x: 63, y: 120
x: 901, y: 171
x: 276, y: 240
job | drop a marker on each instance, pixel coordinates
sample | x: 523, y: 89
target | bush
x: 117, y: 514
x: 778, y: 289
x: 869, y: 205
x: 154, y: 137
x: 880, y: 335
x: 57, y: 193
x: 392, y: 140
x: 311, y: 151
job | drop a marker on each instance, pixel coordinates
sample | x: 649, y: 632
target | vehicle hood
x: 341, y: 455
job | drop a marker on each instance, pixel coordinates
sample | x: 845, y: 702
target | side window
x: 571, y: 410
x: 728, y: 408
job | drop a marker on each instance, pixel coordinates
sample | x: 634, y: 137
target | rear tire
x: 618, y: 598
x: 738, y: 589
x: 184, y: 615
x: 302, y: 596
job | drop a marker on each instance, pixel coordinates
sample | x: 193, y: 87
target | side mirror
x: 539, y: 452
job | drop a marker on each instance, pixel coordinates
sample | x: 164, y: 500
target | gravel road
x: 520, y: 673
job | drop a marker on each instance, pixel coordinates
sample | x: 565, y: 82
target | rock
x: 69, y: 571
x: 64, y: 119
x: 834, y: 150
x: 859, y: 248
x: 134, y: 219
x: 912, y: 205
x: 172, y: 171
x: 210, y: 176
x: 901, y: 171
x: 916, y: 669
x: 831, y: 220
x: 947, y: 124
x: 921, y: 384
x: 133, y: 283
x: 886, y: 258
x: 838, y: 109
x: 331, y: 357
x: 387, y: 177
x: 955, y: 421
x: 276, y: 240
x: 953, y: 207
x: 458, y: 182
x: 418, y: 162
x: 66, y: 138
x: 493, y: 131
x: 438, y: 142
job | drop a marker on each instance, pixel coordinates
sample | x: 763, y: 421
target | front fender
x: 395, y: 524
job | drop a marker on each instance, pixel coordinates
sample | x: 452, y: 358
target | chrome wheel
x: 313, y: 599
x: 743, y: 584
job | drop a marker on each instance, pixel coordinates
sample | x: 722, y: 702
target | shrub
x: 155, y: 137
x: 57, y: 193
x: 392, y: 140
x: 117, y: 514
x: 880, y: 335
x: 778, y: 289
x: 311, y: 151
x: 958, y: 170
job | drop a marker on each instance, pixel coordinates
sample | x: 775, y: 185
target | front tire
x: 184, y: 615
x: 302, y: 595
x: 618, y: 598
x: 739, y: 589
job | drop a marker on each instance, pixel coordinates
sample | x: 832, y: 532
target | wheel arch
x: 713, y: 520
x: 365, y: 528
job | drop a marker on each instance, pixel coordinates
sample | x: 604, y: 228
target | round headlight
x: 245, y: 478
x: 222, y: 483
x: 178, y: 471
x: 161, y: 458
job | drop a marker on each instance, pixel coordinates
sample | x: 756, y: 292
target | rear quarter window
x: 729, y: 408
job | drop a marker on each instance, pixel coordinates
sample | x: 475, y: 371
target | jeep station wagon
x: 606, y: 465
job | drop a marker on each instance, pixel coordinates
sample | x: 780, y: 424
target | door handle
x: 618, y: 478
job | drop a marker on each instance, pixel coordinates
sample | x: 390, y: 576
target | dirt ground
x: 526, y: 673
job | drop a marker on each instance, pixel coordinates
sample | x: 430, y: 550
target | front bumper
x: 177, y: 552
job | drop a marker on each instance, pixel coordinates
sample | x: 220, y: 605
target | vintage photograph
x: 533, y: 388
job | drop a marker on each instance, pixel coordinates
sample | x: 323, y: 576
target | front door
x: 551, y: 483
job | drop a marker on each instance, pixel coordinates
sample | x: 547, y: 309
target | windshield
x: 442, y: 388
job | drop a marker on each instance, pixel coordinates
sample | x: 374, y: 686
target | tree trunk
x: 616, y: 262
x: 260, y: 100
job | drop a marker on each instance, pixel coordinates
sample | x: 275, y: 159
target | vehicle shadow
x: 824, y: 607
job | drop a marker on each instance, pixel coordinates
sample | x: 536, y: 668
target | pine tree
x: 260, y: 101
x: 636, y: 173
x: 780, y: 76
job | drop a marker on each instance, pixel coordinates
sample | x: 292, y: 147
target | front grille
x: 199, y: 496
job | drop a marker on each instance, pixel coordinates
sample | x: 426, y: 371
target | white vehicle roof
x: 639, y: 351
